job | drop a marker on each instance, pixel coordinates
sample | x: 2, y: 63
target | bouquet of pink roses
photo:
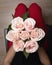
x: 25, y: 35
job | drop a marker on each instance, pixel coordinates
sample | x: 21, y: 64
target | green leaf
x: 25, y: 16
x: 9, y: 28
x: 25, y: 53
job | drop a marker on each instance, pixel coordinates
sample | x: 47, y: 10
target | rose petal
x: 29, y: 24
x: 37, y: 34
x: 24, y: 35
x: 31, y: 46
x: 18, y: 45
x: 12, y: 35
x: 17, y: 24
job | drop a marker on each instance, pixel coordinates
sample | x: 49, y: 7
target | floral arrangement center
x: 25, y: 35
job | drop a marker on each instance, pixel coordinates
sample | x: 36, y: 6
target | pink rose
x: 31, y: 46
x: 17, y: 24
x: 37, y: 34
x: 29, y: 24
x: 18, y: 45
x: 12, y: 35
x: 24, y: 35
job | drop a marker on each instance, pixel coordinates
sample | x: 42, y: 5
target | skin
x: 9, y: 56
x: 43, y: 57
x: 41, y: 52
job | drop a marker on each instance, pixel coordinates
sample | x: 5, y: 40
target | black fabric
x: 19, y: 59
x: 49, y: 27
x: 42, y: 41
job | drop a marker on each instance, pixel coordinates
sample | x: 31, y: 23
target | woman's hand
x: 9, y: 56
x: 43, y: 57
